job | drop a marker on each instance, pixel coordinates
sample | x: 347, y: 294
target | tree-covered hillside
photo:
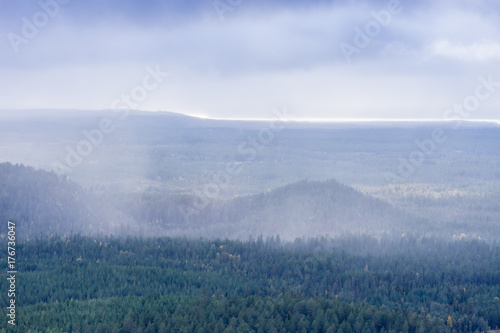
x: 306, y: 208
x: 43, y: 203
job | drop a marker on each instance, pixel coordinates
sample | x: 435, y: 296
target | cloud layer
x: 240, y: 58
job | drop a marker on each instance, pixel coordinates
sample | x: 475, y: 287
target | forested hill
x: 310, y: 208
x: 43, y: 203
x: 305, y: 208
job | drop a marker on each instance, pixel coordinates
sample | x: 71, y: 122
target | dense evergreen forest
x: 352, y: 284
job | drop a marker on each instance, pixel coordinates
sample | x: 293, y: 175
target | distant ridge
x: 305, y: 208
x: 173, y: 119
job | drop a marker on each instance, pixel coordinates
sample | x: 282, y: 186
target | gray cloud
x: 286, y: 53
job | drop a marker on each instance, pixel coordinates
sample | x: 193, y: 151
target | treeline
x: 355, y: 284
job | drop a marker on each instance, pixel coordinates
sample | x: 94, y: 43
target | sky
x: 318, y: 59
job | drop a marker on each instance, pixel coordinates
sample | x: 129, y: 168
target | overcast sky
x: 242, y: 58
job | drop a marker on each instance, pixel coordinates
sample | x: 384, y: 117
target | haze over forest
x: 141, y: 220
x: 320, y: 166
x: 169, y: 174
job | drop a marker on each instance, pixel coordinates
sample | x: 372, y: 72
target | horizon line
x: 344, y: 120
x: 289, y: 119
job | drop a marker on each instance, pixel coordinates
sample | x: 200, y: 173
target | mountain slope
x: 43, y: 203
x: 305, y: 208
